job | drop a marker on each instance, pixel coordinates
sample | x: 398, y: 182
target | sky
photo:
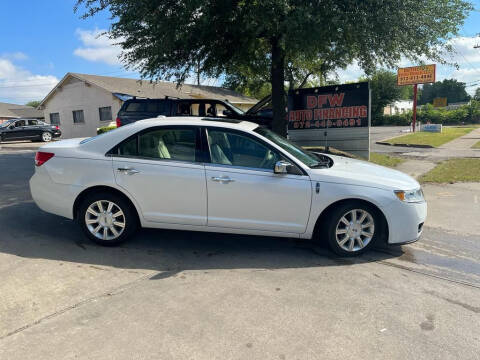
x: 41, y: 41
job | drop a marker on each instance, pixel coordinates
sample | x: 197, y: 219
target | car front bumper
x: 405, y: 221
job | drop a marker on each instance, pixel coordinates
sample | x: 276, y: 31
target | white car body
x: 181, y: 195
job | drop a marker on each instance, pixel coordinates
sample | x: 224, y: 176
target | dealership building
x: 81, y: 103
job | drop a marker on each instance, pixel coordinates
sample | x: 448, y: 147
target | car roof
x: 106, y: 141
x: 197, y: 121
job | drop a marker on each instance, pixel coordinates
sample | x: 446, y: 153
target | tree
x: 165, y: 38
x: 453, y: 90
x: 33, y: 103
x: 383, y: 84
x: 477, y: 94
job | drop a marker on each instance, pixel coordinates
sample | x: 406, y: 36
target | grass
x: 432, y: 139
x: 454, y: 170
x: 385, y: 160
x: 476, y: 146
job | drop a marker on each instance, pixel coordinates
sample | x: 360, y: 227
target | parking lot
x: 185, y: 295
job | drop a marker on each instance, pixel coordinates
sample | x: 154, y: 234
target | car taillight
x: 57, y: 127
x: 119, y: 122
x: 42, y: 157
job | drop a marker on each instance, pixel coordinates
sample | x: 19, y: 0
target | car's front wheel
x: 46, y: 136
x: 107, y: 219
x: 353, y: 228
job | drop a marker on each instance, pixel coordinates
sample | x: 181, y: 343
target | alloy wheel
x: 46, y: 137
x: 355, y: 230
x: 105, y: 220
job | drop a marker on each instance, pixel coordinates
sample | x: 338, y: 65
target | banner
x: 337, y: 106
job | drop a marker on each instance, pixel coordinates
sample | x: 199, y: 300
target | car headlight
x: 410, y: 196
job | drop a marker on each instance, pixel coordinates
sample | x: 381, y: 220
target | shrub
x: 105, y: 129
x: 467, y: 114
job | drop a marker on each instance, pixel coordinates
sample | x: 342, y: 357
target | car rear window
x: 146, y: 106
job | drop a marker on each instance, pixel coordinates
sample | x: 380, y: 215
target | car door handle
x: 222, y: 179
x: 128, y: 171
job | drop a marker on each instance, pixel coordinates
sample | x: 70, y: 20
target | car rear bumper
x: 51, y: 197
x: 57, y: 134
x: 405, y: 221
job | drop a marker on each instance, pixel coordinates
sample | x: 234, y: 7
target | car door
x: 160, y: 169
x: 32, y: 129
x: 245, y: 193
x: 17, y: 132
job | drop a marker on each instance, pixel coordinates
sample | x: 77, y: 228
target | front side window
x: 55, y: 118
x: 105, y: 113
x: 229, y: 148
x: 164, y: 144
x: 78, y: 117
x: 20, y: 123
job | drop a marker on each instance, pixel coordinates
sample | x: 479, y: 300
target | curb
x: 406, y: 145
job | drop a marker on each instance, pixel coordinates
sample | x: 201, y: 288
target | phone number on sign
x: 329, y: 123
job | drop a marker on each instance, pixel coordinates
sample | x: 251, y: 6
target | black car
x: 137, y: 109
x: 28, y: 129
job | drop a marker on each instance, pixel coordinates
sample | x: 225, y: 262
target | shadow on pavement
x: 26, y: 231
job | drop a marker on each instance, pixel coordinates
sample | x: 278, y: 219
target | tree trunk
x: 279, y: 124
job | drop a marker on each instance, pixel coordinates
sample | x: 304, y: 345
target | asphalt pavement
x: 186, y: 295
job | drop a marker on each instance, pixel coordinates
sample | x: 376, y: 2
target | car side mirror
x: 281, y: 167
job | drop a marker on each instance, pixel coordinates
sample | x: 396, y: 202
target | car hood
x: 363, y: 173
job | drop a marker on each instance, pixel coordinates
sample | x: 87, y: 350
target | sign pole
x: 414, y: 106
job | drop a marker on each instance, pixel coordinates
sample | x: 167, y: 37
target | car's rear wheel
x: 46, y: 136
x: 107, y: 219
x: 353, y: 228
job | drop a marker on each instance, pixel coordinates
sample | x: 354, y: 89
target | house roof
x: 160, y: 89
x: 19, y: 111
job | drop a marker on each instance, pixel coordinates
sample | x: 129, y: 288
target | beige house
x: 398, y: 107
x: 81, y: 103
x: 15, y: 111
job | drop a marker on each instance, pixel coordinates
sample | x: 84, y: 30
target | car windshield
x: 6, y: 123
x: 307, y: 158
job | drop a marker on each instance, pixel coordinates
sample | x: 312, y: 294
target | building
x: 81, y: 103
x: 398, y: 107
x: 15, y: 111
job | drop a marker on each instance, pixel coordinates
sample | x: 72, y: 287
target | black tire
x: 354, y: 233
x: 129, y: 218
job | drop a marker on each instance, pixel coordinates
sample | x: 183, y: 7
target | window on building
x: 55, y: 119
x: 78, y: 117
x: 105, y: 113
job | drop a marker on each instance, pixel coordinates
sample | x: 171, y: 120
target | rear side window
x: 33, y: 122
x: 163, y: 144
x: 153, y: 106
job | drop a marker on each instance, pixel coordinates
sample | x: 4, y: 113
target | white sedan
x: 223, y: 176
